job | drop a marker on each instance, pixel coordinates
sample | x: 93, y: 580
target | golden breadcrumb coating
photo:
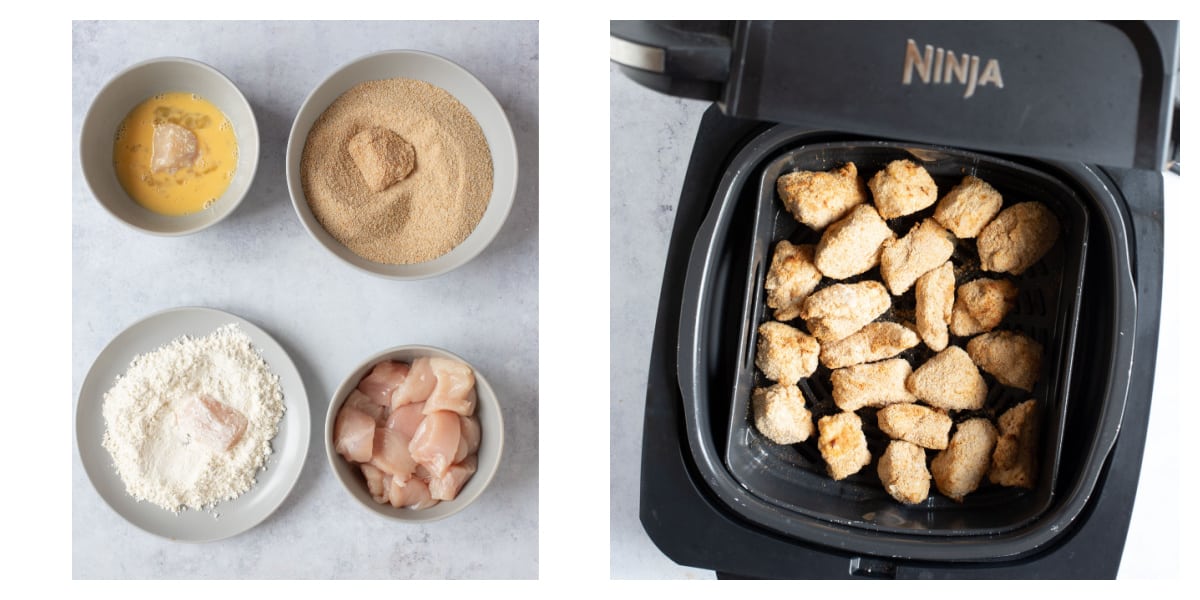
x: 818, y: 198
x: 902, y: 472
x: 851, y: 246
x: 780, y: 414
x: 841, y: 309
x: 843, y: 444
x: 786, y: 354
x: 791, y: 278
x: 935, y: 302
x: 968, y: 207
x: 903, y: 260
x: 921, y: 425
x: 1017, y: 238
x: 1014, y: 463
x: 875, y: 341
x: 1014, y: 359
x: 981, y: 305
x: 949, y: 381
x: 959, y: 468
x: 902, y: 188
x: 872, y: 384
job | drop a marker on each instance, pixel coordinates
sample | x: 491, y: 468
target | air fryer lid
x: 1093, y: 92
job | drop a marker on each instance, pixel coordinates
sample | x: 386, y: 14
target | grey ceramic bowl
x: 128, y: 89
x: 491, y: 444
x: 467, y: 89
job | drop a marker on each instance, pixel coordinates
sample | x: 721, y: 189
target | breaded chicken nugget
x: 949, y: 381
x: 843, y: 308
x: 959, y: 468
x: 875, y: 341
x: 935, y: 302
x: 779, y: 414
x: 968, y: 207
x: 818, y: 198
x: 981, y: 305
x: 843, y: 444
x: 902, y: 188
x: 1017, y: 238
x: 1014, y: 463
x: 792, y: 277
x: 851, y: 246
x: 921, y: 425
x: 786, y: 354
x: 902, y: 472
x: 872, y: 384
x: 1014, y: 359
x: 925, y: 248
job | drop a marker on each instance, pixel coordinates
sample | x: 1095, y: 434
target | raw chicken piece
x: 968, y: 207
x: 901, y: 188
x: 354, y: 434
x: 406, y: 419
x: 791, y: 278
x: 436, y: 441
x: 1014, y: 359
x: 851, y: 246
x: 471, y: 432
x: 362, y: 402
x: 785, y: 354
x: 871, y: 384
x: 843, y: 444
x: 843, y: 308
x: 455, y: 389
x: 1017, y: 238
x: 174, y: 147
x: 417, y: 386
x: 1014, y: 462
x: 981, y: 305
x: 391, y: 454
x: 875, y: 341
x: 949, y: 381
x: 378, y: 483
x: 779, y: 414
x: 413, y: 494
x: 926, y: 247
x: 214, y: 424
x: 382, y: 157
x: 959, y: 468
x: 935, y: 302
x: 819, y: 198
x: 447, y: 486
x: 379, y: 384
x: 902, y: 472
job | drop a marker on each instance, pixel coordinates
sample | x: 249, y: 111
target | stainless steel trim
x: 638, y: 56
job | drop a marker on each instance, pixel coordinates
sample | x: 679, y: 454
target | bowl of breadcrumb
x: 402, y: 164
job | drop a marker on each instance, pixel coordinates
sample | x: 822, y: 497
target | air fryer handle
x: 681, y: 58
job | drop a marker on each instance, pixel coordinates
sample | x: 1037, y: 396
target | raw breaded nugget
x: 818, y: 198
x: 968, y: 207
x: 981, y: 305
x: 851, y: 246
x: 935, y: 302
x: 1014, y: 359
x: 925, y: 248
x: 843, y: 444
x: 959, y: 468
x: 779, y: 414
x: 902, y: 472
x: 1014, y: 463
x: 903, y: 187
x: 875, y: 341
x: 1017, y: 238
x: 843, y: 308
x: 786, y: 354
x: 921, y: 425
x: 949, y: 381
x: 872, y: 384
x: 792, y: 277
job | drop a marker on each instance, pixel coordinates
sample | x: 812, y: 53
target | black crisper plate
x: 793, y: 477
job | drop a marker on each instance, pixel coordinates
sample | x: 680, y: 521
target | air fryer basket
x: 793, y: 477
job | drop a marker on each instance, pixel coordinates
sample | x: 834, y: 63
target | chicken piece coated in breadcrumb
x: 872, y: 384
x: 902, y: 472
x: 1014, y: 463
x: 818, y: 198
x: 925, y: 248
x: 949, y: 381
x: 1017, y: 238
x: 959, y: 468
x: 841, y: 309
x: 968, y: 207
x: 981, y: 305
x: 851, y: 246
x: 786, y: 354
x: 935, y: 303
x: 921, y: 425
x: 1014, y: 359
x: 780, y: 414
x: 901, y: 188
x: 875, y: 341
x: 843, y: 444
x: 791, y: 278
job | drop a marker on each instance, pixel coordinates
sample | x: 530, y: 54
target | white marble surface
x: 651, y: 140
x: 263, y: 266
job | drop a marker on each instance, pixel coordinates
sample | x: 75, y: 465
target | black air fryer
x: 1077, y: 115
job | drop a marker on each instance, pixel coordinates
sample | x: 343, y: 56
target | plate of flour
x: 193, y: 424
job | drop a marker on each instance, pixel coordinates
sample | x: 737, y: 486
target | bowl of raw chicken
x: 414, y: 433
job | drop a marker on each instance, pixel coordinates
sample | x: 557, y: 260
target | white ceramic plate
x: 274, y: 482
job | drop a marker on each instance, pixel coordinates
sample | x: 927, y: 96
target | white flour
x: 159, y: 464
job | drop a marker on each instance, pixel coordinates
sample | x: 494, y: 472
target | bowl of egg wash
x: 169, y: 146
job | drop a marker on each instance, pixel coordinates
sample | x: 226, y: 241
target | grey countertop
x: 262, y: 265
